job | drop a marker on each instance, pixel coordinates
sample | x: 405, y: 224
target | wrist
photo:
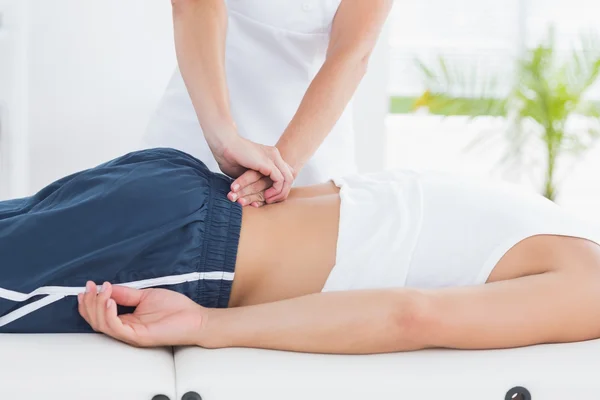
x: 212, y: 334
x: 220, y: 135
x: 290, y: 157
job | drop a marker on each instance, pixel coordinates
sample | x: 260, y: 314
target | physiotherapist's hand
x: 161, y: 317
x: 256, y: 190
x: 239, y: 155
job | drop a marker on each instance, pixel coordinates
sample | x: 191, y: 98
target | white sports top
x: 274, y: 49
x: 430, y: 230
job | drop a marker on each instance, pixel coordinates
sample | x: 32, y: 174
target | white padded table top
x: 549, y: 372
x: 77, y: 367
x: 74, y: 367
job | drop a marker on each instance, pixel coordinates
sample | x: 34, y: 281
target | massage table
x: 94, y: 367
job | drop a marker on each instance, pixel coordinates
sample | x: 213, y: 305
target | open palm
x: 161, y: 317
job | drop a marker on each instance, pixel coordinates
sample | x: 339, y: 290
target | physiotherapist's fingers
x: 255, y: 192
x: 101, y: 299
x: 258, y: 204
x: 253, y: 198
x: 272, y: 197
x: 247, y: 178
x: 259, y: 186
x: 269, y: 167
x: 277, y: 178
x: 288, y: 177
x: 276, y: 198
x: 270, y: 194
x: 285, y: 191
x: 126, y: 296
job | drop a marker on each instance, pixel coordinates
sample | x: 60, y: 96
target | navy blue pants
x: 153, y: 218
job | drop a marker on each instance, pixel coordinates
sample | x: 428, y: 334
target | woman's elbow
x: 363, y: 63
x: 411, y: 321
x: 356, y: 58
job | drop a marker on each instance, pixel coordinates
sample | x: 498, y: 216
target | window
x: 486, y: 35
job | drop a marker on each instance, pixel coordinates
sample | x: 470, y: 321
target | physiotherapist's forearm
x: 200, y: 32
x: 354, y: 33
x: 357, y: 322
x: 322, y: 106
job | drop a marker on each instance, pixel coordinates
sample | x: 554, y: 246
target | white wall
x: 13, y: 98
x: 96, y: 71
x: 97, y: 68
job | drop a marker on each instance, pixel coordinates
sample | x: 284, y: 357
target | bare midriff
x: 288, y: 249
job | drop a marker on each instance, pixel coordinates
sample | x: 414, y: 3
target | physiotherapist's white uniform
x: 274, y: 49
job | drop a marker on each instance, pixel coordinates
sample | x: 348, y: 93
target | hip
x: 155, y: 218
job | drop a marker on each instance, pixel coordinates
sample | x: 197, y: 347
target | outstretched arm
x: 356, y: 322
x: 510, y: 313
x: 552, y: 307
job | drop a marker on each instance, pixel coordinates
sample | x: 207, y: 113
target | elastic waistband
x: 223, y: 226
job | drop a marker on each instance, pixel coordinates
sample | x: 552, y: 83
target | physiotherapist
x: 264, y: 87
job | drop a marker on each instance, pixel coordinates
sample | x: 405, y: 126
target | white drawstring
x: 55, y: 293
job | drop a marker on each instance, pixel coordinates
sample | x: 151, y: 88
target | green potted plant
x: 548, y: 90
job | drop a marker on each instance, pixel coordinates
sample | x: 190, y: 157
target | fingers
x: 249, y: 187
x: 101, y: 300
x: 255, y: 192
x: 288, y: 177
x: 277, y: 178
x: 99, y: 308
x: 115, y: 326
x: 268, y: 173
x: 272, y: 168
x: 88, y: 303
x: 272, y: 197
x: 126, y: 296
x: 81, y: 308
x: 246, y: 179
x: 92, y: 302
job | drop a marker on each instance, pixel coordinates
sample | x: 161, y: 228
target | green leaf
x: 546, y: 90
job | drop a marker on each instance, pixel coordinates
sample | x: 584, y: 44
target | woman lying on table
x: 375, y: 263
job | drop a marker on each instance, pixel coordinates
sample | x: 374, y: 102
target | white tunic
x: 274, y: 49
